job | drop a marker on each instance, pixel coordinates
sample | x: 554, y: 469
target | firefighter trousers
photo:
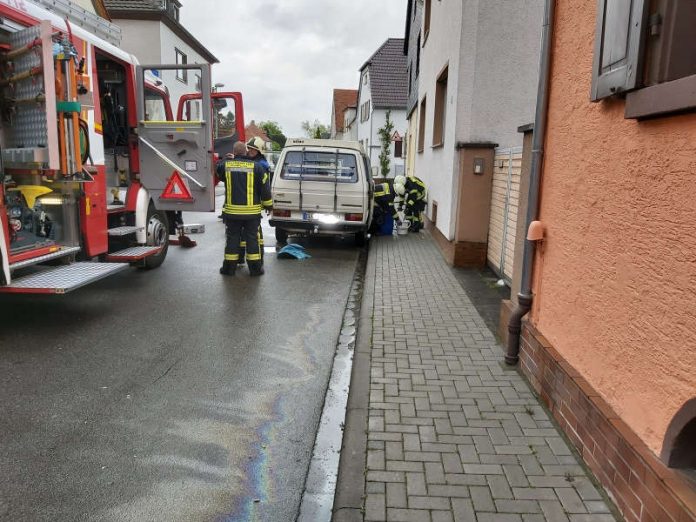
x: 238, y: 230
x: 414, y: 215
x: 242, y: 246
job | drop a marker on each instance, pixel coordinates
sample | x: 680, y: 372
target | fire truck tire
x: 157, y: 235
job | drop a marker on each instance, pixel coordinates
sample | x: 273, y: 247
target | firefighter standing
x: 413, y: 191
x: 247, y: 192
x: 254, y: 147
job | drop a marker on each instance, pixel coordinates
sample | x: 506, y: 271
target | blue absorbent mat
x: 293, y: 252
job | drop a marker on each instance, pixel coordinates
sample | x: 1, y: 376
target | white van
x: 322, y: 187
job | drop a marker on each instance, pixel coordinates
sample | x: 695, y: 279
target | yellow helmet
x: 256, y: 143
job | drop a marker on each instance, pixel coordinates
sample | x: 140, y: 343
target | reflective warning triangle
x: 176, y: 189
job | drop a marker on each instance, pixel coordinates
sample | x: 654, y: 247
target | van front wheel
x: 281, y: 235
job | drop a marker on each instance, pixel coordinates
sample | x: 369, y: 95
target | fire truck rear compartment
x: 41, y: 213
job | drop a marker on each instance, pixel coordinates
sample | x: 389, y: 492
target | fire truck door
x: 176, y: 157
x: 228, y: 118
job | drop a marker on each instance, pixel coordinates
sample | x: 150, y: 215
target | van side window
x: 320, y: 166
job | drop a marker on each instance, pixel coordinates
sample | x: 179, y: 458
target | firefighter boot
x: 256, y: 268
x: 228, y: 268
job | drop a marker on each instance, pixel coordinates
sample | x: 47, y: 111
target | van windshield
x: 320, y: 166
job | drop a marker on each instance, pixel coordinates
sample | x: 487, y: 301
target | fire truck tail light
x: 354, y: 217
x: 281, y: 213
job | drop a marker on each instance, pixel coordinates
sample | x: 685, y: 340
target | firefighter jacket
x: 384, y: 199
x: 247, y: 187
x: 415, y: 192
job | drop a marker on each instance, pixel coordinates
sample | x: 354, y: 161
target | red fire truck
x: 94, y: 170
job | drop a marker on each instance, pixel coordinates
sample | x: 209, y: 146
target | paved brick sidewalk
x: 453, y: 434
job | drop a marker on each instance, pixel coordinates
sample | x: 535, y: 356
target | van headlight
x: 327, y: 219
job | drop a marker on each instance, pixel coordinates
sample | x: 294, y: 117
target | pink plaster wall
x: 616, y: 280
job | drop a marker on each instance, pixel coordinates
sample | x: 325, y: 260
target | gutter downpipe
x: 525, y: 297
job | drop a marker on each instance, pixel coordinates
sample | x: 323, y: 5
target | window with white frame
x: 181, y: 59
x: 365, y: 111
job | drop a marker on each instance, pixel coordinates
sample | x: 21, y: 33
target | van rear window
x: 320, y: 166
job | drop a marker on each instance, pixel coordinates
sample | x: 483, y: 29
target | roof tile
x: 135, y: 5
x: 388, y: 77
x: 342, y: 99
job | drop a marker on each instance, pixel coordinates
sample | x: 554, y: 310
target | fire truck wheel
x: 157, y: 235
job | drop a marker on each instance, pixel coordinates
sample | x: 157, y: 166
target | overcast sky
x: 287, y: 56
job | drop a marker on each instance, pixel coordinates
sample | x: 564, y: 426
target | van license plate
x: 305, y: 216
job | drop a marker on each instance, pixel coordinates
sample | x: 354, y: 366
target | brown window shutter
x: 618, y: 46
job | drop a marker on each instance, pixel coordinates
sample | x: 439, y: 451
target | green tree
x: 275, y: 134
x: 226, y: 124
x: 385, y: 138
x: 316, y: 130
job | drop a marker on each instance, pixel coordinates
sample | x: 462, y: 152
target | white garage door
x: 504, y: 202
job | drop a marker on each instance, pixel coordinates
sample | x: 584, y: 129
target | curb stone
x: 349, y: 500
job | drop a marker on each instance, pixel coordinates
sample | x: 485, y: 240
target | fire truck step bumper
x: 65, y: 251
x: 133, y: 254
x: 123, y: 231
x: 62, y: 280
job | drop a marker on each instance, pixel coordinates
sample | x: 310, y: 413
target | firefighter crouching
x: 412, y: 189
x: 247, y: 193
x: 384, y: 205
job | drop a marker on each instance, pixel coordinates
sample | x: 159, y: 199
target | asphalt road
x: 173, y: 394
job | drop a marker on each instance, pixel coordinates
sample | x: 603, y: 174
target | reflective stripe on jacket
x: 247, y: 189
x: 384, y: 199
x: 415, y: 190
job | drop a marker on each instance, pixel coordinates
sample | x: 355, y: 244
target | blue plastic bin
x: 387, y: 227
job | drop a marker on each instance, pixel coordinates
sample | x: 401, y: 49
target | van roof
x: 331, y: 144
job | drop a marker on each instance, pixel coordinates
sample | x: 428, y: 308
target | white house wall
x: 468, y: 42
x: 364, y: 127
x: 410, y: 144
x: 505, y: 94
x: 141, y: 38
x: 379, y: 118
x: 169, y: 42
x: 492, y: 48
x: 350, y: 125
x: 436, y: 166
